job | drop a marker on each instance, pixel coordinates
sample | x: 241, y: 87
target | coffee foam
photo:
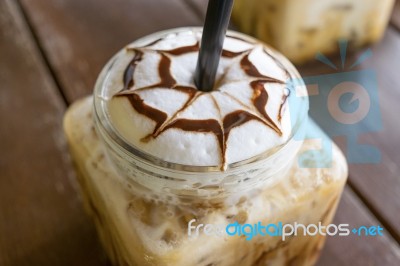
x: 157, y: 108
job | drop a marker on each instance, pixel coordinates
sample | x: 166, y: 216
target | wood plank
x: 358, y: 250
x: 81, y: 36
x: 41, y: 217
x: 59, y: 28
x: 377, y: 184
x: 396, y: 15
x: 199, y: 6
x: 380, y: 183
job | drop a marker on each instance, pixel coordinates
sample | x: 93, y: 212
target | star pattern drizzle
x: 219, y: 127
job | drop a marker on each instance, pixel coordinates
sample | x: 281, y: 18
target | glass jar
x: 302, y: 28
x: 150, y: 212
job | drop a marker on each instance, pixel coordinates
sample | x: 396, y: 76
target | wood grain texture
x: 41, y: 217
x: 358, y: 250
x: 81, y: 36
x: 377, y: 184
x: 396, y: 15
x: 78, y: 37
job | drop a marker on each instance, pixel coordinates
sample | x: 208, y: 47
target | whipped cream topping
x: 159, y: 110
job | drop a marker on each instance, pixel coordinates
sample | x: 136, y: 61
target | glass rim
x: 116, y: 141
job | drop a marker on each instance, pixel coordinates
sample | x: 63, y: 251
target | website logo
x: 346, y: 104
x: 284, y: 231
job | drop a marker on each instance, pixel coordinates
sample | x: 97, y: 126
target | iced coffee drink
x: 159, y: 161
x: 302, y: 28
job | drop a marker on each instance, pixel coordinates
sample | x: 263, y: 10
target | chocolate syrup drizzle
x: 220, y: 129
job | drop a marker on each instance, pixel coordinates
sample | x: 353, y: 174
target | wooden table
x: 50, y: 54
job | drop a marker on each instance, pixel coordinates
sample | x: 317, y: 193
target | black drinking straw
x: 215, y: 26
